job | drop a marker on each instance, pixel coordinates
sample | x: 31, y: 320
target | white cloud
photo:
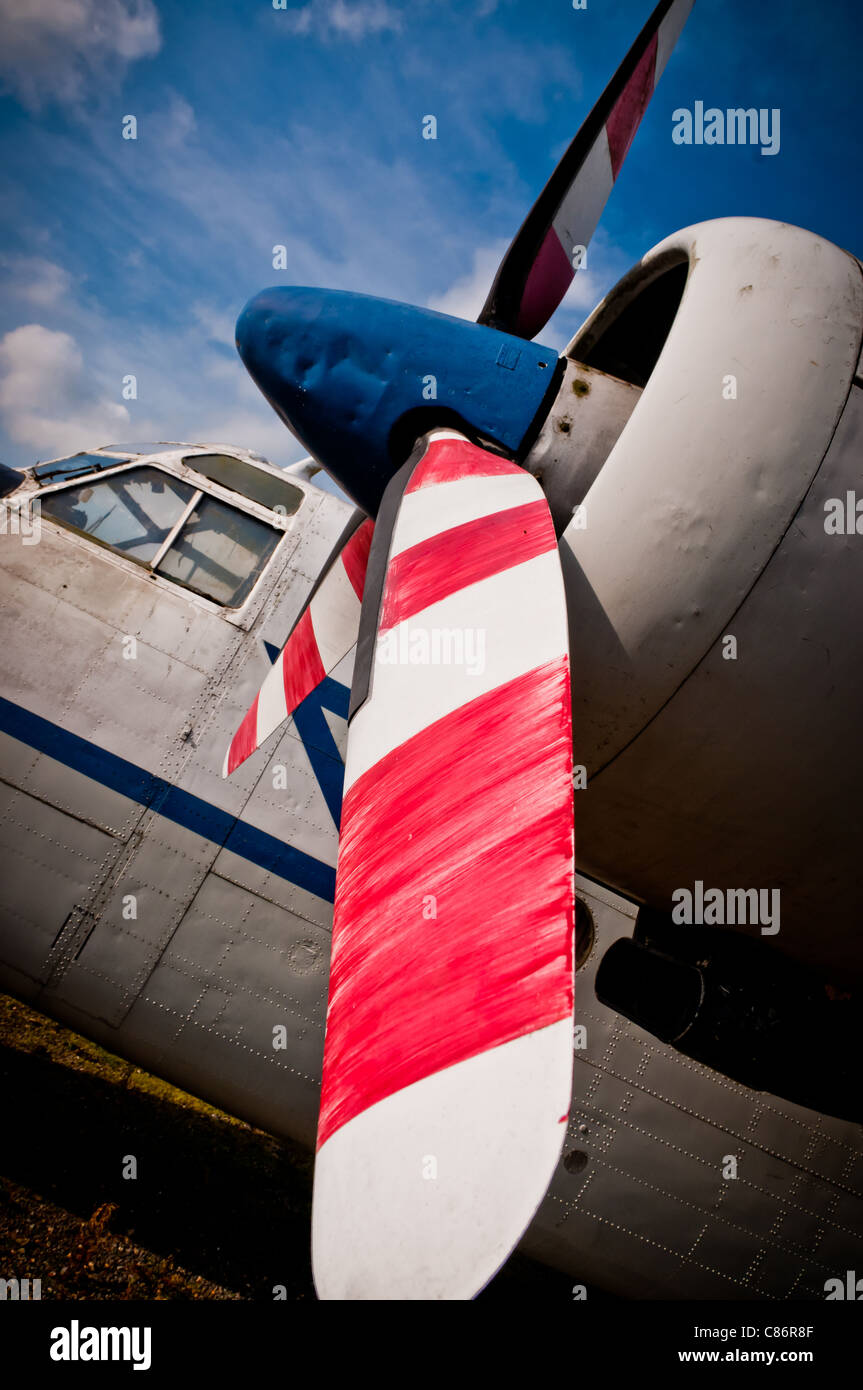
x: 56, y: 50
x: 466, y: 296
x: 258, y: 429
x: 604, y: 265
x: 174, y: 125
x: 339, y: 19
x: 35, y: 280
x: 217, y: 323
x: 586, y: 290
x: 47, y: 399
x: 191, y: 236
x: 56, y: 398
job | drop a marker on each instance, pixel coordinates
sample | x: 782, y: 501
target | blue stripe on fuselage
x: 169, y: 801
x: 321, y: 748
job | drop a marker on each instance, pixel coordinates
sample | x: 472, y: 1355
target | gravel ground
x: 218, y: 1210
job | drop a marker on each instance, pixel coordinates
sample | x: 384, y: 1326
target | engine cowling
x: 717, y: 652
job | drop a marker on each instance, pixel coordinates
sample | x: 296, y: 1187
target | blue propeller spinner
x: 357, y: 379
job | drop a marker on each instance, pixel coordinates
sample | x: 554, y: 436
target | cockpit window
x: 133, y: 512
x: 76, y: 463
x: 173, y: 528
x: 266, y: 488
x: 219, y: 552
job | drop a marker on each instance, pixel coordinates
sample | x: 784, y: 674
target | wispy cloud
x: 216, y: 321
x: 339, y: 19
x: 174, y: 124
x: 182, y: 223
x: 33, y: 280
x: 143, y: 252
x: 603, y: 267
x: 48, y: 399
x: 466, y: 296
x: 57, y: 50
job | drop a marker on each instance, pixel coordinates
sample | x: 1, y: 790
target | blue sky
x: 303, y: 127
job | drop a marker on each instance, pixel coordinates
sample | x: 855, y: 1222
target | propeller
x: 448, y: 1056
x: 322, y: 636
x: 551, y: 243
x: 448, y: 1051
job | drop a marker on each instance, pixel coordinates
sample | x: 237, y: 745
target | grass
x: 218, y: 1210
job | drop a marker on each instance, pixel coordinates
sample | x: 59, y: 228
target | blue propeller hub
x: 357, y: 379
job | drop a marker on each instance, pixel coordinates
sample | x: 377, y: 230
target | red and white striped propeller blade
x: 539, y: 266
x: 321, y: 637
x: 448, y: 1055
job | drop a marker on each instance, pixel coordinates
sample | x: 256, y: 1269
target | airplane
x: 248, y: 727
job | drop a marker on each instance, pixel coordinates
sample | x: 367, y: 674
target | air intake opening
x: 627, y: 332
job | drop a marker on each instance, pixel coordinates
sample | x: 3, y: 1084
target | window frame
x: 201, y: 487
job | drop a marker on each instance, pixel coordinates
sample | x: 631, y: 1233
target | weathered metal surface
x: 699, y: 489
x: 233, y: 879
x: 750, y: 774
x: 584, y: 423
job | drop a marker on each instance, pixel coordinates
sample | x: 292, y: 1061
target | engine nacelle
x: 713, y: 579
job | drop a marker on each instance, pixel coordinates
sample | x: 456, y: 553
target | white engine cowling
x: 714, y: 517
